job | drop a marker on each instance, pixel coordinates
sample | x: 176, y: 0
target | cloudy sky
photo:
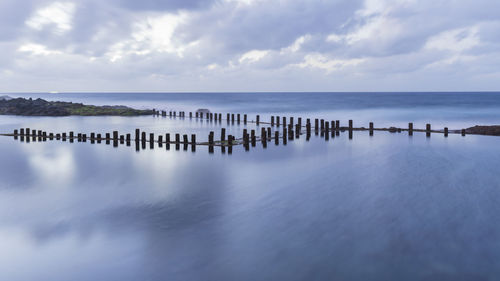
x: 249, y: 45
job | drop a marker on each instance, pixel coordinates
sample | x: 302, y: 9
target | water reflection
x: 390, y: 206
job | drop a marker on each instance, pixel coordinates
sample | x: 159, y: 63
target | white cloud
x: 456, y: 40
x: 59, y: 14
x: 153, y: 34
x: 296, y: 45
x: 37, y: 50
x: 253, y: 56
x: 320, y: 61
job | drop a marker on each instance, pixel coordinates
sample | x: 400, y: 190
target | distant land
x: 41, y: 107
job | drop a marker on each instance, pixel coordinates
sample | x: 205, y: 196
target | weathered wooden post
x: 228, y: 118
x: 137, y: 132
x: 222, y: 135
x: 58, y: 136
x: 298, y: 129
x: 84, y: 137
x: 175, y: 114
x: 463, y: 132
x: 285, y: 135
x: 316, y: 125
x: 252, y: 136
x: 244, y: 119
x: 193, y: 142
x: 170, y: 114
x: 277, y: 121
x: 246, y: 139
x: 177, y: 138
x: 185, y: 139
x: 115, y: 135
x: 211, y: 116
x: 238, y: 118
x: 284, y: 121
x: 21, y: 131
x: 108, y: 138
x: 322, y: 123
x: 16, y: 133
x: 190, y: 115
x: 220, y: 117
x: 350, y: 125
x: 276, y: 137
x: 92, y: 136
x: 99, y: 137
x: 215, y: 117
x: 122, y: 138
x: 71, y: 136
x: 410, y: 129
x: 272, y: 121
x: 27, y: 131
x: 127, y: 137
x: 327, y: 130
x: 445, y: 131
x: 263, y: 134
x: 167, y: 141
x: 51, y: 136
x: 299, y: 121
x: 257, y: 120
x: 308, y: 128
x: 211, y: 138
x: 230, y: 144
x: 337, y: 125
x: 196, y: 115
x: 371, y: 128
x: 151, y: 137
x: 269, y: 133
x: 160, y: 140
x: 143, y: 136
x: 428, y: 130
x: 291, y: 121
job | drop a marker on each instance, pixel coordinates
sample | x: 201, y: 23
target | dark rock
x: 484, y: 130
x: 40, y: 107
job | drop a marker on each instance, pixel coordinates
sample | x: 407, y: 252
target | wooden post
x: 284, y: 121
x: 371, y: 128
x: 220, y: 117
x: 99, y: 137
x: 322, y: 122
x: 21, y: 131
x: 177, y: 138
x: 230, y: 144
x: 16, y: 133
x: 428, y: 130
x: 284, y: 135
x: 115, y: 135
x: 263, y: 134
x: 127, y: 137
x: 193, y: 142
x: 27, y: 131
x: 167, y: 139
x: 137, y: 132
x: 160, y: 140
x: 222, y: 134
x: 51, y: 136
x: 277, y: 121
x: 257, y: 120
x: 252, y: 136
x: 327, y: 130
x: 244, y: 119
x: 196, y: 115
x: 445, y: 131
x: 276, y: 137
x: 151, y: 137
x: 143, y: 136
x: 308, y: 128
x: 290, y: 131
x: 299, y: 121
x: 291, y: 121
x: 190, y: 115
x: 272, y: 121
x: 227, y: 118
x: 410, y: 129
x: 185, y: 139
x: 84, y: 137
x: 316, y: 125
x: 350, y: 125
x: 211, y: 116
x: 238, y: 118
x: 463, y: 132
x: 211, y: 138
x: 269, y: 133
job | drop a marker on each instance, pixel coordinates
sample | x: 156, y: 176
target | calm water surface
x: 387, y: 207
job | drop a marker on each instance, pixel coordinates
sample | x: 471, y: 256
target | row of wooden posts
x: 290, y: 130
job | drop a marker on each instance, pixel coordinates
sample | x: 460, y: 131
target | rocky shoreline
x: 41, y: 107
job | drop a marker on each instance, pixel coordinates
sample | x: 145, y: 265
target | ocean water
x: 382, y: 207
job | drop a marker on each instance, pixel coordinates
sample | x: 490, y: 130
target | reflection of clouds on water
x: 56, y: 166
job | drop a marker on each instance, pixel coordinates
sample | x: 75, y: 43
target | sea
x: 383, y: 207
